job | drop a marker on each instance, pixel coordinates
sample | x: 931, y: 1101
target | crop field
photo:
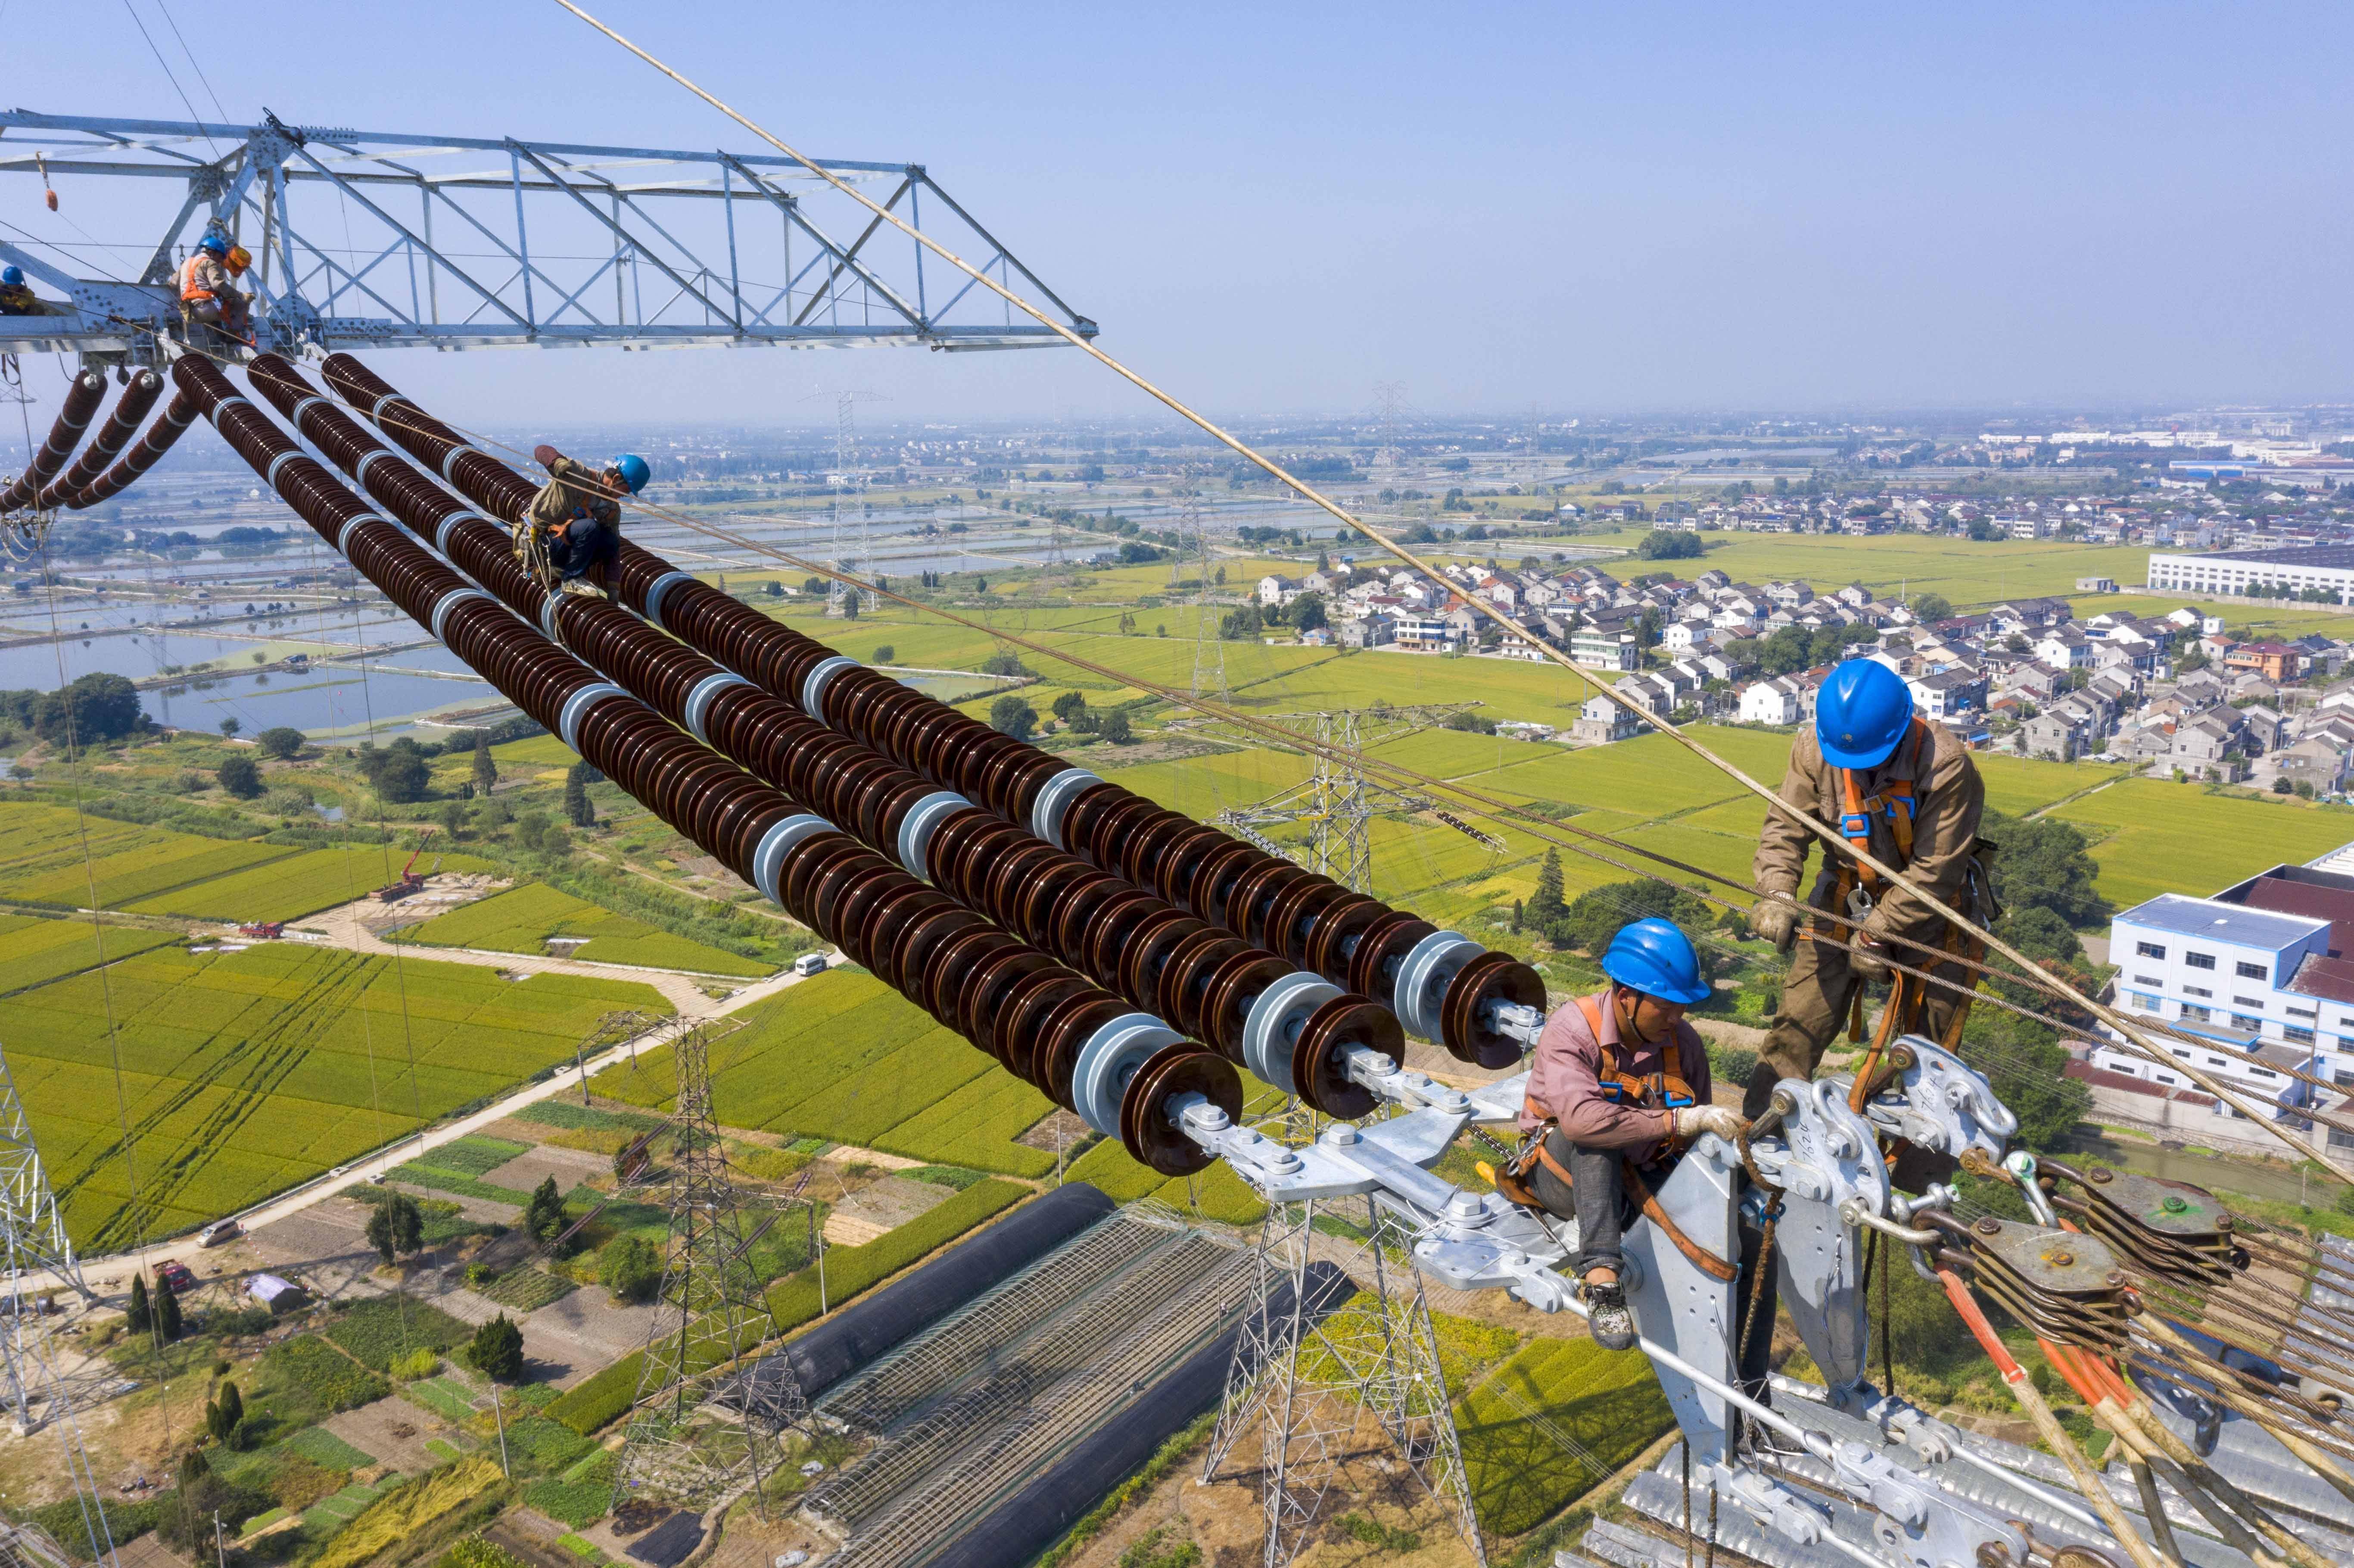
x: 35, y: 951
x: 2157, y: 836
x: 1964, y: 571
x: 1606, y: 1404
x: 227, y: 1077
x: 48, y: 844
x: 521, y: 919
x: 301, y: 884
x: 844, y: 1057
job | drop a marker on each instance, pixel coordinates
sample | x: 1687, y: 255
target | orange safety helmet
x: 238, y: 261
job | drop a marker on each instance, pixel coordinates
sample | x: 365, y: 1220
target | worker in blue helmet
x: 1617, y: 1089
x: 571, y: 536
x: 17, y: 296
x: 1903, y: 789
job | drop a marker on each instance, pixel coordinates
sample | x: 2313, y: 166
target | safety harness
x: 191, y: 291
x: 1658, y: 1090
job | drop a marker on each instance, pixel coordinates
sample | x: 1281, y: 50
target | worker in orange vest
x: 210, y: 302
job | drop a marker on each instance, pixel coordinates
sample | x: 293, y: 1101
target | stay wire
x: 170, y: 75
x: 1804, y: 821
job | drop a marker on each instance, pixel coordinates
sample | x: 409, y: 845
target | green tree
x: 885, y: 653
x: 142, y: 1312
x: 280, y: 742
x: 240, y: 777
x: 2044, y: 863
x: 543, y: 1215
x: 1115, y: 728
x: 167, y: 1311
x: 486, y: 770
x: 1545, y: 903
x: 399, y: 772
x: 453, y: 818
x: 1595, y: 916
x: 1010, y: 716
x: 578, y: 809
x: 1933, y: 607
x: 1070, y: 705
x: 1243, y: 625
x: 397, y: 1227
x: 2026, y: 1064
x: 1306, y: 613
x: 630, y: 1268
x: 222, y: 1413
x: 1663, y: 544
x: 229, y: 727
x: 93, y: 710
x: 1004, y: 661
x: 1516, y: 917
x: 496, y: 1349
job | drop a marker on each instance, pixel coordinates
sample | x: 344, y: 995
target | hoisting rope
x: 1512, y: 627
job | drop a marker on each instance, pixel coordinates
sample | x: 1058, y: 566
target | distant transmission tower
x: 1388, y: 460
x: 1209, y: 647
x: 849, y: 481
x: 708, y: 1422
x: 1303, y: 1378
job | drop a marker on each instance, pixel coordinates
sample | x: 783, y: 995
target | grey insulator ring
x: 1271, y: 1029
x: 658, y: 587
x: 698, y: 701
x: 577, y: 706
x: 1054, y: 799
x: 1420, y: 991
x: 813, y: 685
x: 768, y: 854
x: 1109, y: 1059
x: 923, y: 820
x: 448, y: 601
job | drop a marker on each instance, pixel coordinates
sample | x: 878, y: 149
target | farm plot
x: 301, y: 885
x: 56, y: 855
x: 2158, y: 837
x: 239, y: 1075
x: 521, y: 919
x: 35, y: 951
x: 844, y: 1057
x: 1601, y: 1409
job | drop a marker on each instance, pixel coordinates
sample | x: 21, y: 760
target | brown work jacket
x: 1948, y: 799
x: 575, y: 485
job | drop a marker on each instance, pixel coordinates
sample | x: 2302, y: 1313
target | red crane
x: 411, y: 880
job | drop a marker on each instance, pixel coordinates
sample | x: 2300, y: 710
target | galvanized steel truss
x: 696, y: 248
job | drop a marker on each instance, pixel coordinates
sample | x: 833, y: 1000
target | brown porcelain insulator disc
x: 1337, y: 926
x: 1108, y: 934
x: 1148, y: 948
x: 1184, y: 978
x: 856, y: 908
x: 1255, y: 895
x: 1233, y: 988
x: 1074, y: 919
x: 969, y: 763
x: 888, y: 925
x: 1172, y: 878
x: 1026, y: 781
x: 927, y: 740
x: 1386, y: 940
x: 1141, y: 854
x: 1487, y: 979
x: 830, y: 891
x: 1215, y: 878
x: 1079, y: 819
x: 1145, y: 1127
x: 1288, y: 922
x: 951, y: 956
x: 1014, y: 871
x: 1107, y: 831
x: 984, y: 990
x: 997, y: 782
x: 958, y: 854
x: 1067, y: 1030
x: 811, y: 856
x: 1015, y: 1039
x: 1315, y: 1065
x: 1047, y: 893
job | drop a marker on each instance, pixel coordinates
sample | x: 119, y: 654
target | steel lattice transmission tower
x: 708, y: 1422
x: 848, y: 480
x: 1306, y: 1379
x: 1209, y: 647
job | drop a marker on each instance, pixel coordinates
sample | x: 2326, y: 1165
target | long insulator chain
x: 1289, y: 1027
x: 1441, y: 985
x: 1126, y: 1075
x: 83, y: 395
x: 161, y: 437
x: 113, y: 436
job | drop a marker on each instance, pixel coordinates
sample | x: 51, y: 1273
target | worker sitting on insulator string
x: 210, y: 303
x: 1618, y: 1090
x: 1905, y: 790
x: 571, y: 537
x: 17, y: 296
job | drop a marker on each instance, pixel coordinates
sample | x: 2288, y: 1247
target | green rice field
x: 170, y: 1088
x: 521, y: 919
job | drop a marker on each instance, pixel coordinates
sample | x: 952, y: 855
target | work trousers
x: 583, y: 543
x: 1817, y: 998
x: 1596, y: 1198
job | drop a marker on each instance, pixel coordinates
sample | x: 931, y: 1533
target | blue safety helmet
x: 1861, y: 714
x: 1653, y: 957
x: 634, y: 471
x: 214, y: 244
x: 12, y: 275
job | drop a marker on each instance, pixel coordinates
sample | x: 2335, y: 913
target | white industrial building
x: 2327, y: 566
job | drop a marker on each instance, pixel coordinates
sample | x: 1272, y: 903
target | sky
x: 1560, y: 209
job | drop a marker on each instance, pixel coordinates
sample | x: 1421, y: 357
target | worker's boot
x: 1607, y: 1313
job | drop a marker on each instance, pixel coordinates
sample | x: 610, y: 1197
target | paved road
x: 694, y: 1006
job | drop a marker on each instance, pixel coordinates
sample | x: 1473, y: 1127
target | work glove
x: 1724, y: 1121
x: 1774, y: 918
x: 545, y: 456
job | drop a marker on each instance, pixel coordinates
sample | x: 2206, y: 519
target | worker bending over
x: 571, y: 537
x: 17, y: 296
x: 211, y: 305
x: 1905, y: 790
x: 1618, y: 1090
